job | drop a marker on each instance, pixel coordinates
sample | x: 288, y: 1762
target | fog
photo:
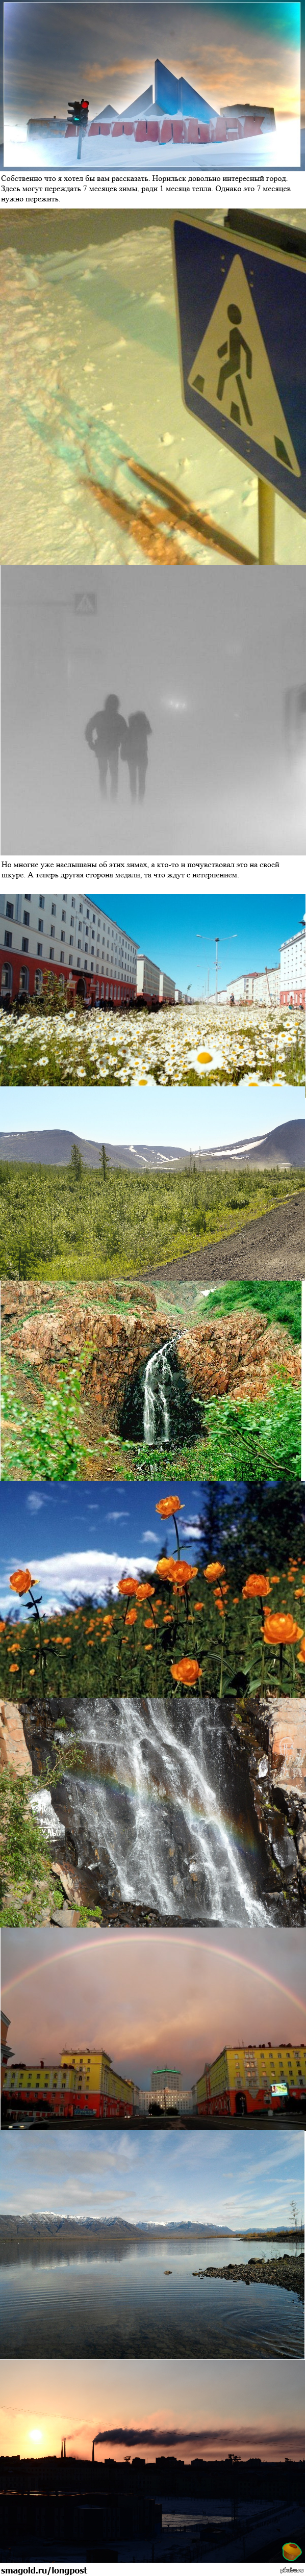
x: 218, y: 671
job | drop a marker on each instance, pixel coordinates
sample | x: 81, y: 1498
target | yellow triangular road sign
x: 232, y: 371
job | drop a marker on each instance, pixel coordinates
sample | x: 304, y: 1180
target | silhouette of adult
x: 105, y: 734
x: 135, y: 751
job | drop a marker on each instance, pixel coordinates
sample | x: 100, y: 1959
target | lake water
x: 143, y: 2300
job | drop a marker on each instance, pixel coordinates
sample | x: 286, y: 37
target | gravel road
x: 272, y: 1247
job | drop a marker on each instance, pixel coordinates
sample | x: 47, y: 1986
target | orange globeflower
x: 145, y: 1592
x: 149, y: 1623
x: 130, y: 1619
x: 187, y: 1670
x: 128, y: 1584
x: 171, y: 1505
x: 255, y: 1587
x: 280, y: 1629
x: 108, y: 1622
x: 212, y: 1571
x: 301, y: 1654
x: 166, y: 1566
x: 184, y: 1573
x: 21, y: 1582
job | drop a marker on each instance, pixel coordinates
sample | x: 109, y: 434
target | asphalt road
x: 272, y: 1247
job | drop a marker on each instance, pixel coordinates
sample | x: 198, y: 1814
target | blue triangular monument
x: 177, y: 96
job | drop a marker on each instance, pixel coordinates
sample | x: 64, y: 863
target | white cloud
x: 86, y: 1571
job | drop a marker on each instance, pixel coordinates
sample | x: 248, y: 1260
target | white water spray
x: 153, y: 1808
x: 157, y: 1385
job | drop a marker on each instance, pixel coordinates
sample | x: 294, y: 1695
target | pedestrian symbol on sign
x: 232, y: 355
x: 231, y: 352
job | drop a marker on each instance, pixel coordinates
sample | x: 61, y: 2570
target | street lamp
x: 202, y: 934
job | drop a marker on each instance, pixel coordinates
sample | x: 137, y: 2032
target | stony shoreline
x: 282, y: 2272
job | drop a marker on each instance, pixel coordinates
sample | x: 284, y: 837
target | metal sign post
x: 241, y: 312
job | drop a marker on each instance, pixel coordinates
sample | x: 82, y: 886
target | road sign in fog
x: 85, y: 603
x: 241, y: 308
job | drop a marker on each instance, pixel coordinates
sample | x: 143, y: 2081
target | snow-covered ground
x: 278, y: 149
x: 90, y: 367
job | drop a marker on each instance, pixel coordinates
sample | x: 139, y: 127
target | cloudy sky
x: 126, y: 1118
x: 244, y: 2180
x: 77, y: 1539
x: 155, y: 2404
x: 151, y: 1998
x: 246, y: 49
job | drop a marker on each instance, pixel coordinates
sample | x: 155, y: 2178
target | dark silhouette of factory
x: 105, y: 2510
x: 169, y: 111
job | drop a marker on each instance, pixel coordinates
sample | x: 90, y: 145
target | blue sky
x: 126, y: 1117
x: 82, y: 1537
x: 182, y: 932
x: 237, y: 2181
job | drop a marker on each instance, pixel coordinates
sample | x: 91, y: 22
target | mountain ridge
x: 283, y: 1145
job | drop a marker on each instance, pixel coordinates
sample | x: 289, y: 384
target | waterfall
x: 157, y: 1385
x: 159, y: 1406
x: 166, y: 1806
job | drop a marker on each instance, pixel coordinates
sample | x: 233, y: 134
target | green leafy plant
x: 46, y: 1444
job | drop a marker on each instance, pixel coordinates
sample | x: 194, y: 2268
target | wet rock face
x: 278, y: 1774
x: 236, y: 1355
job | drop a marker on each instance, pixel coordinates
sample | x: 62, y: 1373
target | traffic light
x: 78, y: 110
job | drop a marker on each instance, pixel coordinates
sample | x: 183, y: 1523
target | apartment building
x: 69, y: 936
x: 292, y: 968
x: 249, y: 2080
x: 84, y: 2085
x: 276, y: 984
